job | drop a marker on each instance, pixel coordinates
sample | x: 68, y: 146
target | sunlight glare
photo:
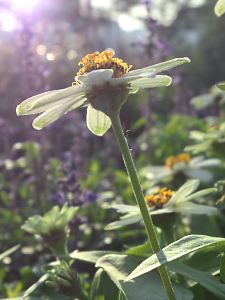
x: 7, y: 21
x: 23, y: 4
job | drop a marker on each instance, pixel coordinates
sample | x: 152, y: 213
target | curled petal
x: 97, y: 121
x: 50, y: 99
x: 53, y: 114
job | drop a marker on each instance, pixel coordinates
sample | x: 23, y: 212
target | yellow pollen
x: 172, y: 160
x: 159, y: 199
x: 103, y: 60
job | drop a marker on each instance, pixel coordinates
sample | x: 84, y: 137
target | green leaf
x: 103, y: 288
x: 222, y: 267
x: 35, y: 285
x: 8, y: 252
x: 97, y: 121
x: 221, y: 86
x: 89, y: 256
x: 175, y: 250
x: 208, y: 281
x: 22, y: 298
x: 119, y: 266
x: 220, y: 8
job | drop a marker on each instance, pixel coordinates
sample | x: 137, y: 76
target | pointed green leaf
x: 220, y: 8
x: 8, y: 252
x: 35, y: 285
x: 208, y: 281
x: 222, y: 267
x: 175, y: 250
x: 97, y: 121
x: 103, y: 288
x: 89, y: 256
x: 119, y: 266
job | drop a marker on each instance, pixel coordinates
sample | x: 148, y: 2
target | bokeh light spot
x: 51, y: 56
x: 72, y: 54
x: 41, y: 49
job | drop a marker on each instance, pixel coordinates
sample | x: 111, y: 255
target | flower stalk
x: 131, y: 170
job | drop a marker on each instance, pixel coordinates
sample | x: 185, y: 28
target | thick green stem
x: 131, y: 170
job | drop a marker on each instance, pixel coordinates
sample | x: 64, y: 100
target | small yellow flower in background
x: 103, y: 83
x: 182, y: 163
x: 166, y: 201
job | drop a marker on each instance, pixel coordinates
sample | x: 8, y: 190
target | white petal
x: 162, y: 66
x: 47, y: 106
x: 159, y: 80
x: 192, y: 208
x: 159, y: 177
x: 180, y: 167
x: 152, y: 190
x: 128, y: 219
x: 165, y: 210
x: 53, y: 114
x: 97, y: 121
x: 96, y: 77
x: 185, y: 190
x: 197, y: 135
x: 199, y: 194
x: 202, y: 175
x: 153, y: 170
x: 123, y: 208
x: 50, y: 97
x: 209, y: 163
x: 140, y: 73
x: 196, y: 160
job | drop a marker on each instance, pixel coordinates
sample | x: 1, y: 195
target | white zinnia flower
x: 166, y: 201
x: 101, y: 77
x: 181, y: 163
x: 214, y: 139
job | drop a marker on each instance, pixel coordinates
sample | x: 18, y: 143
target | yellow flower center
x: 159, y: 199
x: 172, y: 160
x: 103, y: 60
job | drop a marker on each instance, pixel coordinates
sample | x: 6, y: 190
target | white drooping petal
x: 52, y: 97
x: 96, y: 77
x: 199, y: 194
x: 164, y: 210
x: 209, y: 163
x: 123, y: 208
x: 47, y: 106
x: 202, y: 175
x: 97, y: 121
x: 126, y: 220
x: 192, y: 208
x: 159, y: 80
x: 185, y: 190
x: 53, y: 114
x: 162, y: 66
